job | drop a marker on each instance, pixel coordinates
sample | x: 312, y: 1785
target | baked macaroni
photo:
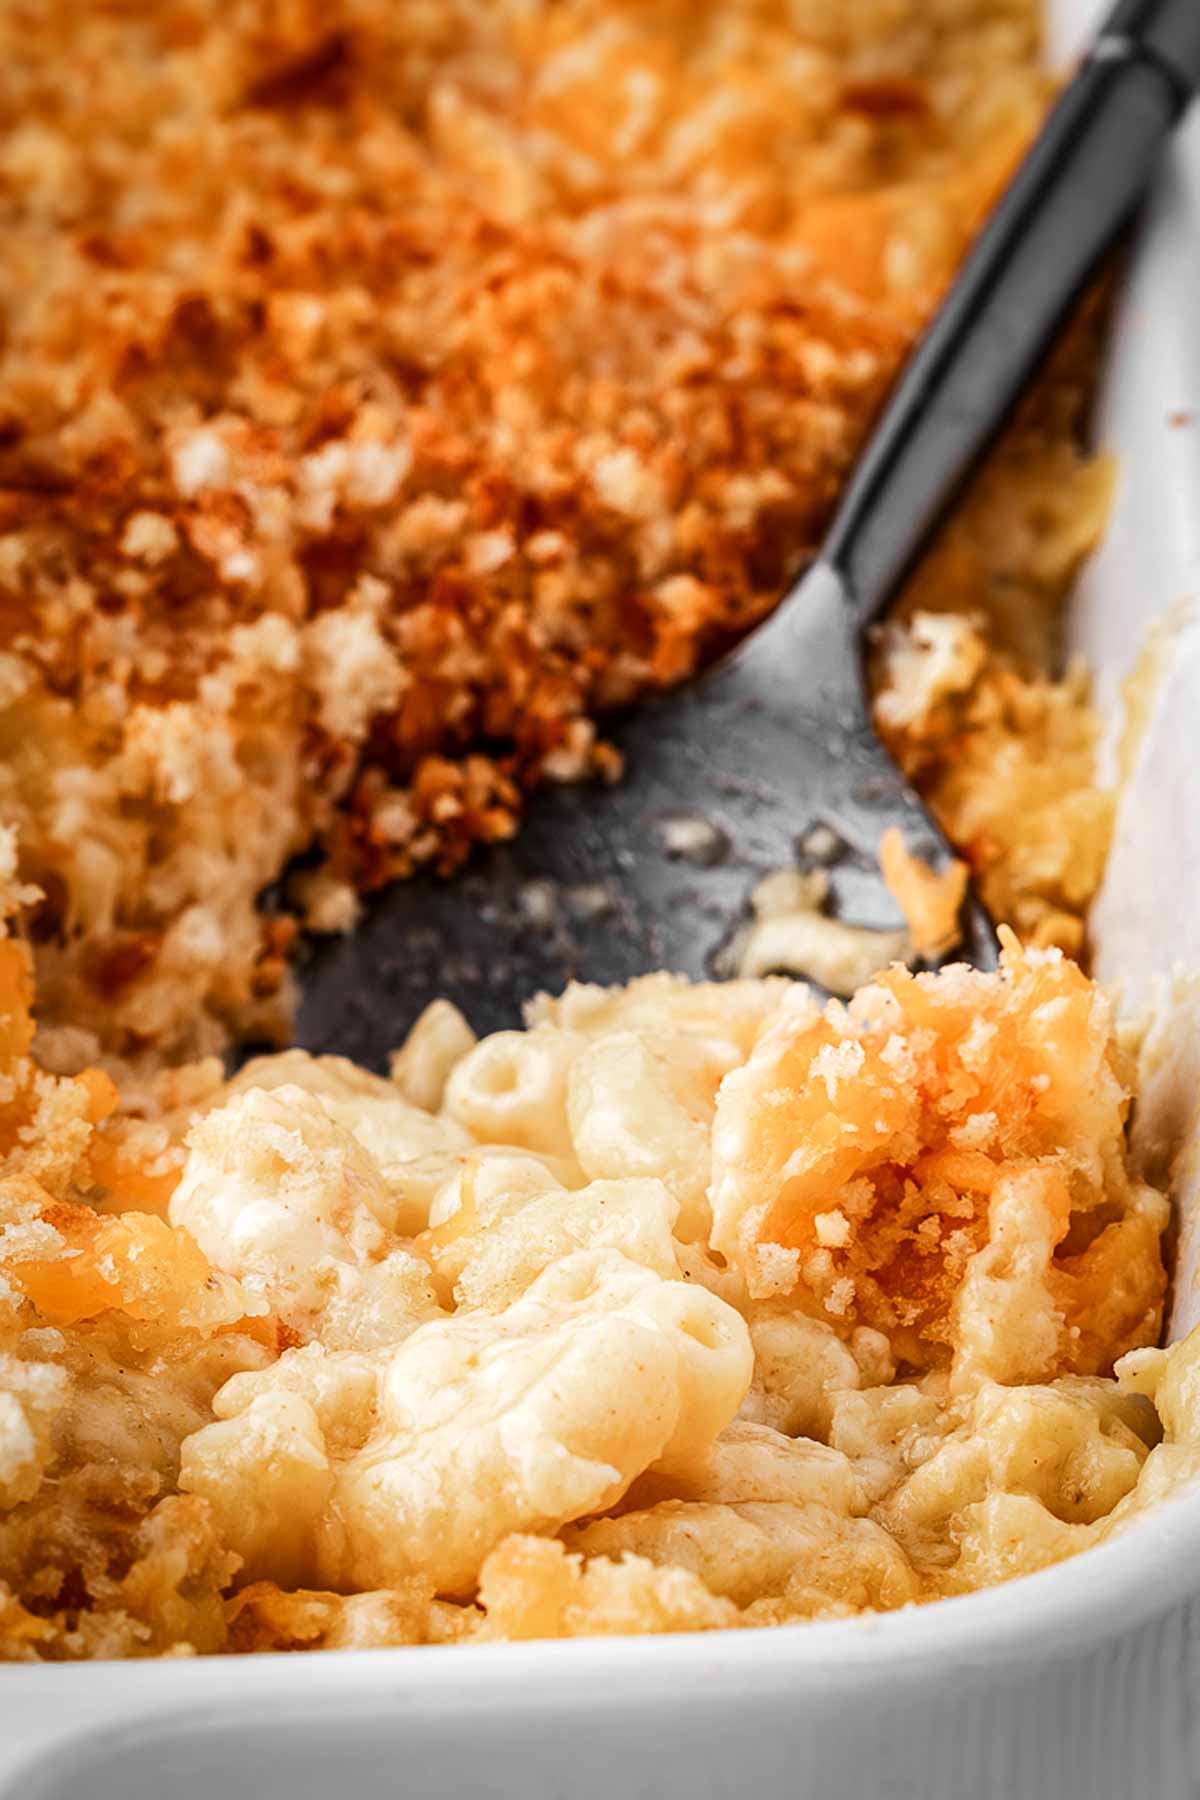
x: 688, y: 1306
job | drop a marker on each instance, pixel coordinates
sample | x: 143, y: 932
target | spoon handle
x: 1077, y: 187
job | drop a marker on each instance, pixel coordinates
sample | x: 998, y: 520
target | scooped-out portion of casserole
x: 685, y: 1307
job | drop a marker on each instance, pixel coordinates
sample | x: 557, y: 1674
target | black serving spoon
x: 770, y: 760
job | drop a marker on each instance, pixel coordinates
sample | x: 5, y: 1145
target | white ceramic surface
x: 1081, y: 1683
x: 1142, y: 587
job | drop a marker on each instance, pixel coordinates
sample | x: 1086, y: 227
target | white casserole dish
x: 1080, y: 1683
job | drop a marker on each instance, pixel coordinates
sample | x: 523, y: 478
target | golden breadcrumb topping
x: 388, y: 389
x: 897, y: 1138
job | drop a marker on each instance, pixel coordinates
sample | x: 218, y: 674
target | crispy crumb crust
x: 379, y: 403
x: 944, y: 1162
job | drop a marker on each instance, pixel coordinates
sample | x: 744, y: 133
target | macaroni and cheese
x: 687, y: 1307
x: 386, y: 390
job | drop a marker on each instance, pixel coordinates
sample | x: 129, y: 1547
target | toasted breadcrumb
x: 931, y: 1115
x: 387, y: 391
